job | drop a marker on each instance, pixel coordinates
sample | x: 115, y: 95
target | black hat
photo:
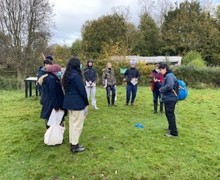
x: 49, y: 57
x: 47, y: 61
x: 163, y: 66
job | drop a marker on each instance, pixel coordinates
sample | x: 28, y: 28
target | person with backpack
x: 90, y: 75
x: 169, y: 98
x: 109, y: 83
x: 75, y: 101
x: 156, y: 80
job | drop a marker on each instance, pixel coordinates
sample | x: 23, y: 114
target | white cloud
x: 70, y: 15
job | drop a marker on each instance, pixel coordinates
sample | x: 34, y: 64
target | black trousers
x: 110, y: 89
x: 169, y: 111
x: 156, y: 96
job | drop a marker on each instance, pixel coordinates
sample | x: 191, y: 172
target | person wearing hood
x: 53, y: 93
x: 41, y: 71
x: 90, y: 75
x: 75, y: 101
x: 109, y: 83
x: 169, y: 98
x: 131, y: 76
x: 156, y: 80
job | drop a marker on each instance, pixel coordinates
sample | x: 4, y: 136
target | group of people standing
x: 71, y: 93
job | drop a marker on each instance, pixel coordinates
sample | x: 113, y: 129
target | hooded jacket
x: 90, y: 74
x: 52, y: 94
x: 168, y: 87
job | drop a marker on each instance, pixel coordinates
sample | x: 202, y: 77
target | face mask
x: 59, y: 74
x: 157, y: 70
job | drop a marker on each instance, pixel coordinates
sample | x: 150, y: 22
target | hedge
x: 8, y: 82
x: 194, y: 77
x: 199, y: 77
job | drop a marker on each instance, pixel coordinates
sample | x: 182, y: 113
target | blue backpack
x: 180, y: 89
x: 182, y: 92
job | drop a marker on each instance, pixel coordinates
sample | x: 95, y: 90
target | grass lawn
x: 115, y: 148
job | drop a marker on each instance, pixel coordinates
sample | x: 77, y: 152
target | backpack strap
x: 171, y: 74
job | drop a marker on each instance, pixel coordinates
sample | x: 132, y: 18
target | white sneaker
x: 169, y: 135
x: 95, y: 107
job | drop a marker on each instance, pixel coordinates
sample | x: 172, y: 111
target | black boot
x: 113, y: 100
x: 161, y: 107
x: 155, y: 107
x: 76, y: 148
x: 108, y: 99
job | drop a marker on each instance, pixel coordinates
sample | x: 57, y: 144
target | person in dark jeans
x: 156, y: 80
x: 109, y: 82
x: 169, y: 98
x: 131, y: 76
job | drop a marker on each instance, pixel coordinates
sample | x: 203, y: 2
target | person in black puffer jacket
x: 169, y: 98
x: 131, y: 76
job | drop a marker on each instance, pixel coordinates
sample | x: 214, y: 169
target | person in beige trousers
x: 75, y: 101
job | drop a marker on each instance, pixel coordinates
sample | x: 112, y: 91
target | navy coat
x: 53, y: 95
x: 168, y: 87
x: 130, y: 74
x: 90, y: 74
x: 75, y: 97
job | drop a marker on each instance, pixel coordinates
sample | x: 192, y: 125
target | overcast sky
x: 70, y: 15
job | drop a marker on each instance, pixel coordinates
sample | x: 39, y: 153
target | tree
x: 149, y: 44
x: 62, y: 54
x: 133, y: 36
x: 26, y: 24
x: 106, y: 30
x: 76, y: 48
x: 187, y: 28
x: 156, y: 9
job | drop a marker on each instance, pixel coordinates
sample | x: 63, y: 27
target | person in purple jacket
x: 75, y: 101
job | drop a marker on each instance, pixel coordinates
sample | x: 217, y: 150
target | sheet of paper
x: 90, y: 85
x: 134, y: 81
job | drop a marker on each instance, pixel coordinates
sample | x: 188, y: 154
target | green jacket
x: 109, y: 75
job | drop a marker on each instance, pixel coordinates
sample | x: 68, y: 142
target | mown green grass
x: 115, y: 148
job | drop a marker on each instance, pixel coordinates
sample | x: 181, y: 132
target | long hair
x: 73, y: 64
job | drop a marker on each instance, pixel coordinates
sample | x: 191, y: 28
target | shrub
x: 193, y: 58
x: 199, y: 77
x: 8, y: 82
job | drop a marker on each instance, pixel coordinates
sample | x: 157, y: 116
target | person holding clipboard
x: 131, y: 76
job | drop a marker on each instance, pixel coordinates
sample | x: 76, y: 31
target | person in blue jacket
x: 75, y: 101
x: 169, y: 98
x: 53, y: 93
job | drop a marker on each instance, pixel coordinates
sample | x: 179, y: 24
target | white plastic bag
x: 54, y: 135
x: 55, y: 117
